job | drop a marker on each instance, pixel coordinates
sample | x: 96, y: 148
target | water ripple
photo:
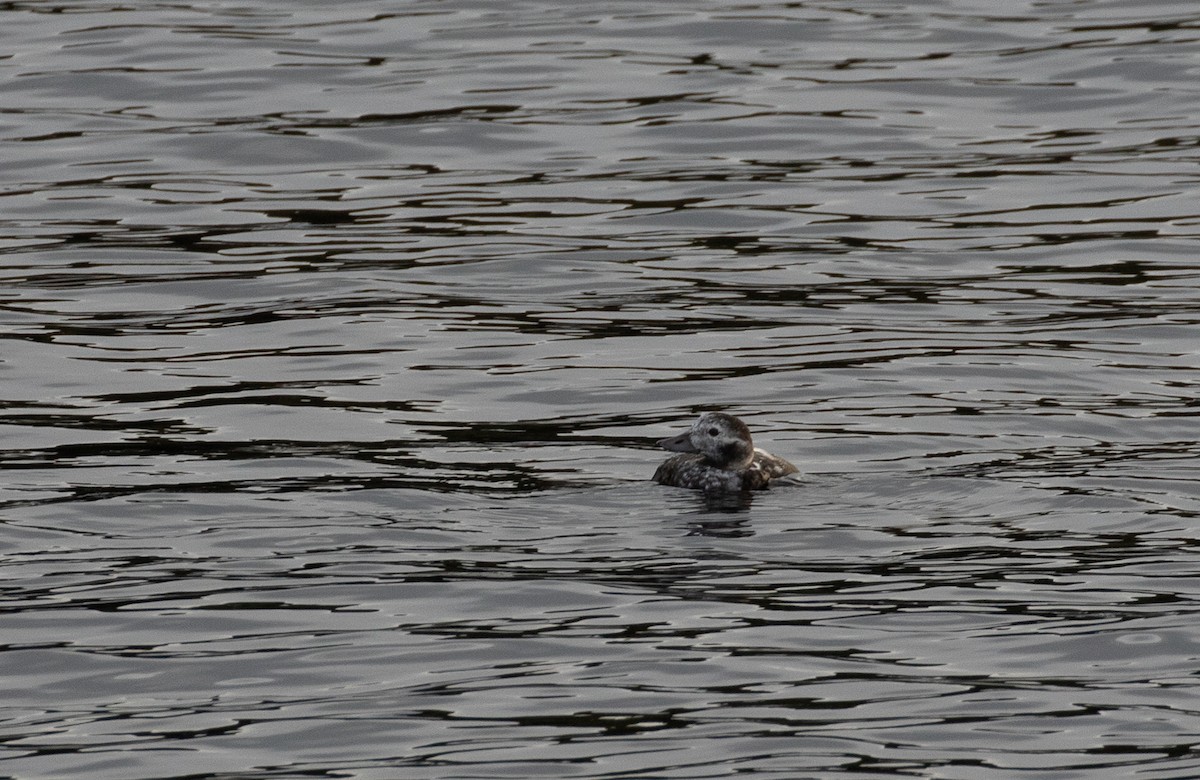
x: 336, y: 341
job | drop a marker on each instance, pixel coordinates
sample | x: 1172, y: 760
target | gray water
x: 336, y: 338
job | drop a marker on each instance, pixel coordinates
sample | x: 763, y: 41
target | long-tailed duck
x: 720, y: 457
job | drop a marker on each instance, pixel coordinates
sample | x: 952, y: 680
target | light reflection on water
x: 336, y: 341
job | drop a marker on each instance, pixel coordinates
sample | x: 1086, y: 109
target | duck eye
x: 712, y: 431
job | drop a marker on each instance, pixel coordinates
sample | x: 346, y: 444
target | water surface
x: 336, y: 338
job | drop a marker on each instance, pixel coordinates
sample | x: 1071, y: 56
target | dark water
x: 337, y: 335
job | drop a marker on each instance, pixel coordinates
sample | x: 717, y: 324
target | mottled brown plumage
x: 718, y: 457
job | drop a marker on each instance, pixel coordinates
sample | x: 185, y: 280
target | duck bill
x: 680, y: 443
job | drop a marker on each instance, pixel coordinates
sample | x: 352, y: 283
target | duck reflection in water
x: 721, y: 515
x: 719, y: 457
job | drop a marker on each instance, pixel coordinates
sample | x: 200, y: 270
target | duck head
x: 721, y: 438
